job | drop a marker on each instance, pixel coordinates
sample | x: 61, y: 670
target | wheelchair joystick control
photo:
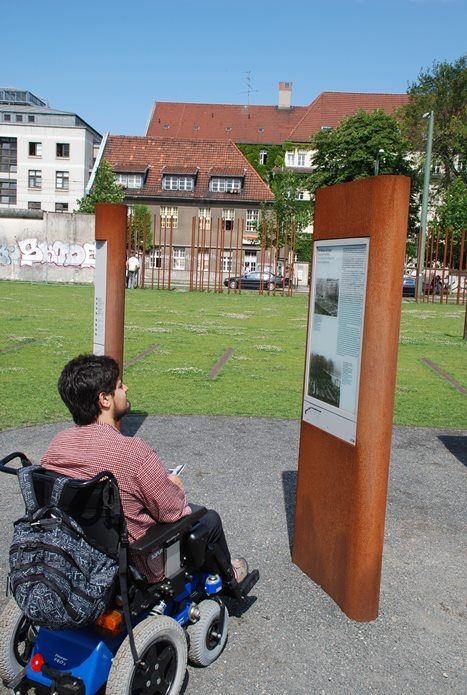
x: 213, y: 584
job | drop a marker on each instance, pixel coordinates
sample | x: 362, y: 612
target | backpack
x: 58, y: 579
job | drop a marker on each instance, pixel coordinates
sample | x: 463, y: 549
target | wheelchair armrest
x: 159, y: 534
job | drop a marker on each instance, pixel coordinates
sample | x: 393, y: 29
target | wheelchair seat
x: 146, y: 624
x: 95, y: 504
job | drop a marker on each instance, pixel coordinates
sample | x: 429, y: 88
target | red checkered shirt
x: 147, y: 494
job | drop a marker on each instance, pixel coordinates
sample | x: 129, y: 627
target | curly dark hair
x: 81, y: 382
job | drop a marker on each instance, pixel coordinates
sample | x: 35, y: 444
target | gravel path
x: 293, y: 638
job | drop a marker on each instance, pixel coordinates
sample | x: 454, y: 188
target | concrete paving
x: 293, y: 638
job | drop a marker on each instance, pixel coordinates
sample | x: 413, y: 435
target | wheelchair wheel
x: 161, y: 646
x: 17, y: 637
x: 206, y: 642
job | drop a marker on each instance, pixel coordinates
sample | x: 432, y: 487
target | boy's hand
x: 176, y: 480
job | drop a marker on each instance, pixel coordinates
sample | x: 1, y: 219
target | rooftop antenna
x: 249, y: 86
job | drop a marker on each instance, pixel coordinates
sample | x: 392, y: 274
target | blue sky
x: 109, y: 61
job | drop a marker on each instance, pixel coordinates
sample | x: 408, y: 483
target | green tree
x: 443, y: 90
x: 452, y: 213
x: 141, y: 222
x: 303, y: 248
x: 350, y: 150
x: 287, y: 214
x: 105, y: 189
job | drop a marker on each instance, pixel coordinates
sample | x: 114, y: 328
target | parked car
x: 408, y: 286
x: 256, y: 280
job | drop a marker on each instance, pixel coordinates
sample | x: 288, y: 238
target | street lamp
x: 430, y: 116
x: 378, y: 156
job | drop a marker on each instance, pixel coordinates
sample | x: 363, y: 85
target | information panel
x: 100, y: 297
x: 336, y: 318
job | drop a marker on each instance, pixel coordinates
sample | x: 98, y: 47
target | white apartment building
x: 46, y: 155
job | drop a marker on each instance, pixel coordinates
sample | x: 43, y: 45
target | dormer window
x: 225, y: 184
x: 178, y: 183
x: 130, y: 180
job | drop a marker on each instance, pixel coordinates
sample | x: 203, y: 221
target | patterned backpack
x: 59, y: 580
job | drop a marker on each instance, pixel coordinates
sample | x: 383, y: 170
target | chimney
x: 285, y: 95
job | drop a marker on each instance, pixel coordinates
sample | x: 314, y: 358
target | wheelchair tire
x: 161, y: 645
x: 205, y: 641
x: 17, y: 637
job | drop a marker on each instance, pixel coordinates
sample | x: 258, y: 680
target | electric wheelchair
x: 141, y: 643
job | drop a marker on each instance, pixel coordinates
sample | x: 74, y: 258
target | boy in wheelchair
x: 179, y: 563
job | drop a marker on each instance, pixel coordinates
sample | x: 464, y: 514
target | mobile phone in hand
x: 177, y: 470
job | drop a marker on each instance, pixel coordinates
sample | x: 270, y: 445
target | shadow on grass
x: 132, y: 423
x: 457, y: 445
x: 289, y: 487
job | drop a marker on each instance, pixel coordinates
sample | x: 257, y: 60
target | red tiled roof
x: 227, y: 171
x: 252, y: 124
x: 163, y: 154
x: 268, y: 124
x: 132, y: 168
x: 180, y: 169
x: 329, y: 108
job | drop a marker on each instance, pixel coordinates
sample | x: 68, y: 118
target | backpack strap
x: 27, y: 487
x: 56, y: 494
x: 122, y: 575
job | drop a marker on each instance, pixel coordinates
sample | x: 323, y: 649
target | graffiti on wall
x: 28, y: 252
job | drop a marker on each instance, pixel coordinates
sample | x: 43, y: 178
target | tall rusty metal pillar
x: 109, y: 280
x: 345, y: 434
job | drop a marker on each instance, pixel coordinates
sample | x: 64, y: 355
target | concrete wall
x: 47, y: 247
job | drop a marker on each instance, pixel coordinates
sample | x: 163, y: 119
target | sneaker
x: 240, y: 568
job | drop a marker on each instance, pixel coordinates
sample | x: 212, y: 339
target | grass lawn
x: 42, y: 326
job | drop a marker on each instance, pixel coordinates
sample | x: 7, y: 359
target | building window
x: 130, y: 180
x: 169, y: 217
x: 62, y: 180
x: 61, y: 207
x: 178, y: 183
x: 250, y: 260
x: 229, y: 217
x: 290, y: 159
x: 301, y: 159
x: 34, y: 178
x: 227, y: 262
x: 223, y: 184
x: 34, y: 205
x: 31, y: 119
x: 252, y: 217
x: 203, y: 259
x: 8, y: 192
x: 204, y: 216
x: 19, y: 118
x: 263, y: 157
x: 63, y: 149
x: 155, y: 258
x: 178, y: 258
x: 8, y: 155
x: 35, y: 149
x: 7, y: 117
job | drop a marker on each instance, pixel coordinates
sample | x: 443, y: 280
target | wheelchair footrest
x: 241, y: 591
x: 249, y: 582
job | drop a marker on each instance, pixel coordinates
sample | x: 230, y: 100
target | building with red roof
x: 265, y: 124
x: 202, y: 185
